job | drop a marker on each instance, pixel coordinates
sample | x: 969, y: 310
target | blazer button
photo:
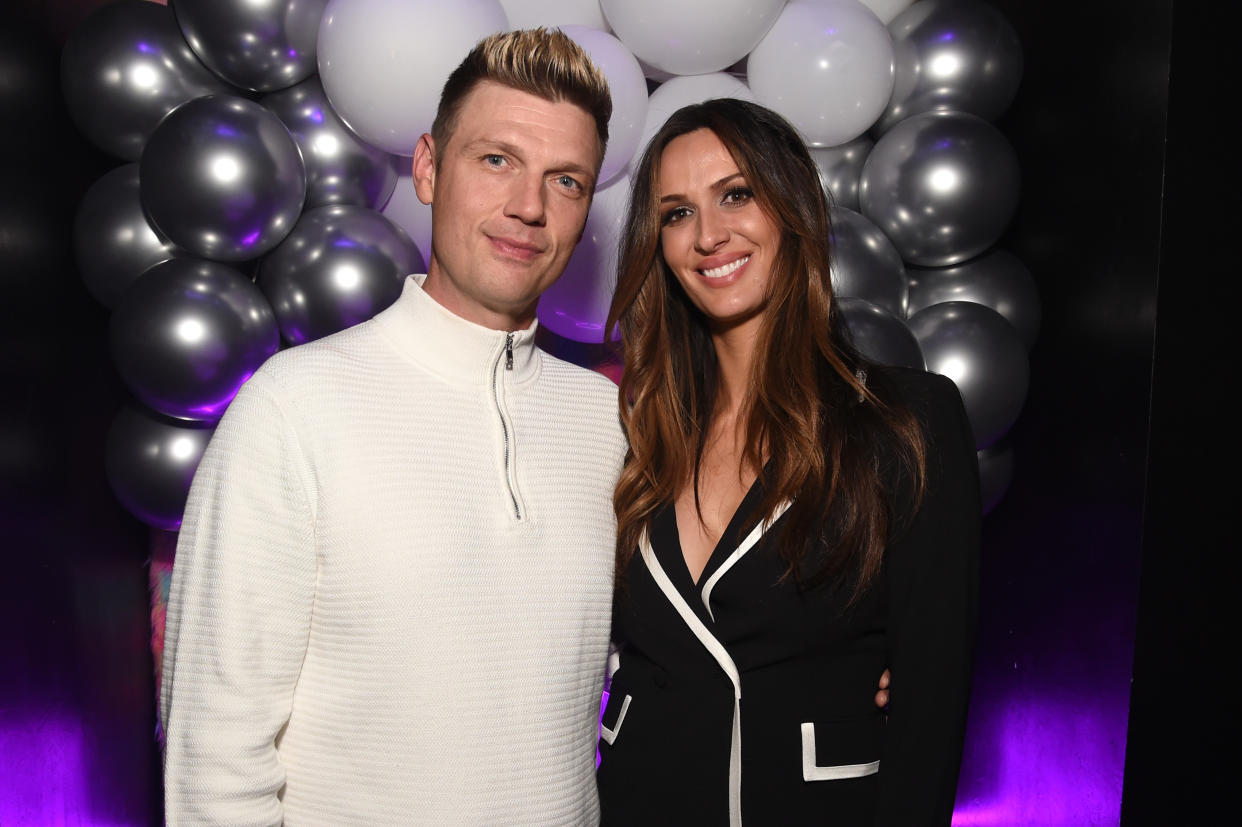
x: 659, y: 677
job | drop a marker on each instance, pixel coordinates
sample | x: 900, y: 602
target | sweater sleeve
x: 933, y: 589
x: 239, y: 614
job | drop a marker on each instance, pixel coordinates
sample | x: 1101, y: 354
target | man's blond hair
x: 541, y: 62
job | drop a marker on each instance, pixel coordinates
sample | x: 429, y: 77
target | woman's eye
x: 673, y: 216
x: 738, y: 195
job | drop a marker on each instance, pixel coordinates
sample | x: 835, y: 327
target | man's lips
x: 515, y: 247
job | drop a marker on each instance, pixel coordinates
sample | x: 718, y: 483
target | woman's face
x: 714, y: 237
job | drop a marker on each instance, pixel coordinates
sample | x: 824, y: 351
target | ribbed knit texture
x: 361, y: 629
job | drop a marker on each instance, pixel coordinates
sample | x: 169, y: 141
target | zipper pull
x: 508, y: 351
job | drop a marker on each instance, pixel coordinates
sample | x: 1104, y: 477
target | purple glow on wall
x: 44, y: 776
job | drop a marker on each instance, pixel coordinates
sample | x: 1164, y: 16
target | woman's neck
x: 736, y: 349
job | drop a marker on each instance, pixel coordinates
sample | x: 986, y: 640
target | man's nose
x: 526, y: 199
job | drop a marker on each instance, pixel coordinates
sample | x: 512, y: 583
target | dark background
x: 1120, y: 451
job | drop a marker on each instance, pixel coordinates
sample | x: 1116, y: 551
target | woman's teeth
x: 725, y: 269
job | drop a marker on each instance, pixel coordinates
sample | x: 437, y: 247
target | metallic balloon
x: 995, y: 474
x: 222, y: 177
x: 112, y: 237
x: 942, y: 187
x: 341, y: 168
x: 983, y: 354
x: 996, y: 279
x: 150, y: 463
x: 959, y: 55
x: 188, y: 333
x: 879, y: 335
x: 865, y: 265
x: 124, y: 68
x: 341, y: 265
x: 840, y: 167
x: 258, y: 46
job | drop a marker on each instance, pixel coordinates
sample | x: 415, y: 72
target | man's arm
x: 239, y: 614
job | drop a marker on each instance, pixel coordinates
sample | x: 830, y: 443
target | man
x: 392, y: 590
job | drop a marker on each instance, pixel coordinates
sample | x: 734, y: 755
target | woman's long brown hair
x: 818, y: 432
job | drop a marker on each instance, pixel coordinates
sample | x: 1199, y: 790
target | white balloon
x: 384, y: 62
x: 629, y: 95
x: 576, y: 306
x: 827, y: 66
x: 886, y: 10
x: 691, y: 37
x: 683, y: 91
x: 407, y: 212
x: 529, y: 14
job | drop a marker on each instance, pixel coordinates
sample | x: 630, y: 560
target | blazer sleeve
x: 933, y: 581
x: 239, y: 614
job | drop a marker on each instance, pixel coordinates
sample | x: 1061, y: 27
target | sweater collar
x: 457, y: 350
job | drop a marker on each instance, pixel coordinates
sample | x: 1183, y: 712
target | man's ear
x: 425, y: 168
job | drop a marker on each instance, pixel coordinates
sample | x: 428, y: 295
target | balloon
x: 840, y: 167
x: 528, y: 14
x: 384, y: 62
x: 341, y: 265
x: 996, y: 279
x: 223, y: 178
x: 683, y: 91
x: 865, y: 264
x: 879, y: 335
x: 942, y: 187
x: 691, y: 37
x: 983, y: 354
x: 995, y: 474
x: 258, y: 46
x: 886, y: 10
x: 150, y: 463
x: 629, y: 95
x: 112, y: 237
x: 576, y: 305
x: 340, y: 167
x: 188, y: 333
x: 407, y: 212
x: 126, y: 67
x: 958, y: 55
x: 827, y: 66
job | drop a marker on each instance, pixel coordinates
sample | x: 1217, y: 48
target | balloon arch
x: 264, y: 200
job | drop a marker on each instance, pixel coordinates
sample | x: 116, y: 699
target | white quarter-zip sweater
x: 392, y: 590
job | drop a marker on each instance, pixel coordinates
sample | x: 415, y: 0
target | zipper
x: 504, y: 428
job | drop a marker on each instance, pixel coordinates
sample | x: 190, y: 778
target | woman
x: 791, y: 518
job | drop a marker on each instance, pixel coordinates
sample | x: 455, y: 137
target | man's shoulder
x: 309, y: 364
x: 580, y: 380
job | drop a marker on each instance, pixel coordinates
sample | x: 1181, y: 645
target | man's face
x: 509, y: 200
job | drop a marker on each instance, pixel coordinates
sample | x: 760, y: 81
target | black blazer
x: 744, y: 697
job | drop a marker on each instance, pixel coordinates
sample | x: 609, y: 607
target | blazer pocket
x: 812, y: 771
x: 610, y: 733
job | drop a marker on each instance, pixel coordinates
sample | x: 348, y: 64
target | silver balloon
x: 983, y: 354
x: 222, y: 177
x: 995, y: 474
x: 341, y: 168
x: 112, y: 238
x: 879, y: 335
x: 996, y: 279
x: 840, y: 167
x: 341, y: 265
x: 942, y: 187
x: 865, y: 264
x: 124, y: 68
x: 188, y: 333
x: 959, y: 55
x: 150, y: 463
x: 255, y: 45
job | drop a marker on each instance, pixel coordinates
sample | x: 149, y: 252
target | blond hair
x: 541, y: 62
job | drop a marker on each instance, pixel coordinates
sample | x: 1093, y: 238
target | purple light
x: 316, y: 115
x: 947, y: 37
x: 251, y: 238
x: 145, y: 48
x: 44, y: 779
x: 293, y: 53
x: 225, y: 131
